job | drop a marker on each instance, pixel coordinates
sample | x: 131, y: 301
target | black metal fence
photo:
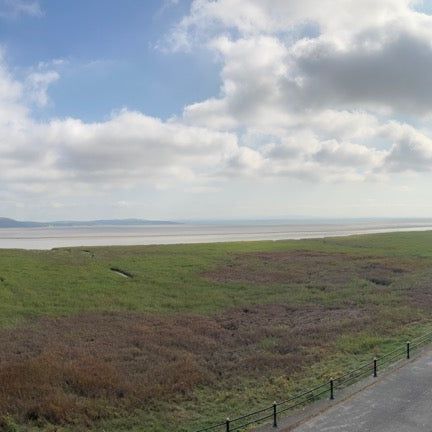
x: 273, y: 412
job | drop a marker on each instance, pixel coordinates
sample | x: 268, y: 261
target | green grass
x: 167, y: 278
x: 171, y: 280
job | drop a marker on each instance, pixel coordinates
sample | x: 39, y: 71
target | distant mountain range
x: 11, y: 223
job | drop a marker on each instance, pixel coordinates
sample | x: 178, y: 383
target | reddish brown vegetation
x: 78, y: 369
x: 306, y: 267
x: 419, y: 292
x: 75, y: 370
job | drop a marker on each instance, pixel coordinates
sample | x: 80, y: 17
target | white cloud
x: 348, y: 155
x: 411, y: 149
x: 15, y: 8
x: 251, y: 93
x: 37, y: 84
x: 132, y: 145
x: 388, y: 78
x: 310, y: 90
x: 336, y: 19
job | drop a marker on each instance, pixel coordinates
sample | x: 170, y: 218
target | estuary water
x: 48, y: 238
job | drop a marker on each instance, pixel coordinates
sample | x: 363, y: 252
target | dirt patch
x: 121, y: 272
x: 80, y: 369
x: 306, y: 267
x: 88, y: 252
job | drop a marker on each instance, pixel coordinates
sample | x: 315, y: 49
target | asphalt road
x: 399, y: 402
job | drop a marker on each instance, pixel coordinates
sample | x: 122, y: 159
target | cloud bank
x: 321, y: 91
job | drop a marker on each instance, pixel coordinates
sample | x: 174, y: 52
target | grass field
x: 192, y: 333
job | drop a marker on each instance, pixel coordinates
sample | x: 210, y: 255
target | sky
x: 215, y: 109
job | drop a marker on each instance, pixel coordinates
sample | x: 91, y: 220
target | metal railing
x: 273, y: 412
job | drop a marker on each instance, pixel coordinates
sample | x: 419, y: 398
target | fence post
x: 408, y: 350
x: 274, y: 414
x: 331, y: 389
x: 227, y: 424
x: 375, y: 374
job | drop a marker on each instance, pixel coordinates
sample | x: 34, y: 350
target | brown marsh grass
x: 76, y: 370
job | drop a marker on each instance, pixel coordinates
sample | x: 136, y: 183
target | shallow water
x: 48, y: 238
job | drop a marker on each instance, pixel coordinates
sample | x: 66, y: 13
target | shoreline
x: 51, y: 238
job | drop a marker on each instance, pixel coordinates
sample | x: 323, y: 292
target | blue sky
x: 111, y: 57
x: 215, y: 108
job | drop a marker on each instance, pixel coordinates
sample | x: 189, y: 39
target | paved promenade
x: 399, y: 402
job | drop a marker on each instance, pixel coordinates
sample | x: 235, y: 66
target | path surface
x: 399, y: 402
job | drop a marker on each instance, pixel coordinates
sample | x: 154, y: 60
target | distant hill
x: 11, y: 223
